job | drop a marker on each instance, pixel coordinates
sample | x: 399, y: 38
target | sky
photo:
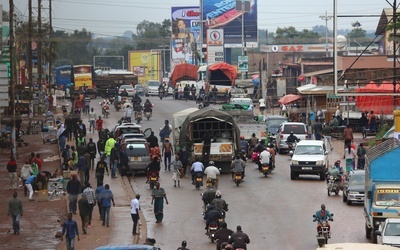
x: 114, y: 17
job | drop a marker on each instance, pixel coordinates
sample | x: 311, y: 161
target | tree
x: 357, y: 33
x: 391, y: 26
x: 290, y: 35
x: 151, y: 35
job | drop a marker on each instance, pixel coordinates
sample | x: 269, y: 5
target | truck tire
x: 348, y: 202
x: 367, y: 232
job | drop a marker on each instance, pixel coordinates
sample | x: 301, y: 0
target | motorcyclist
x: 323, y: 215
x: 128, y: 113
x: 213, y: 214
x: 161, y: 89
x: 124, y: 93
x: 207, y: 197
x: 259, y: 147
x: 197, y: 168
x: 264, y: 159
x: 335, y: 170
x: 237, y: 165
x: 220, y: 203
x: 153, y: 167
x: 148, y: 106
x: 292, y: 138
x: 243, y: 144
x: 239, y: 239
x: 273, y: 153
x: 136, y: 98
x: 212, y: 173
x: 137, y: 108
x: 222, y: 235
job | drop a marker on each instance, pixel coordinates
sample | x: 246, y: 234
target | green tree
x: 392, y: 25
x: 151, y: 35
x: 290, y: 35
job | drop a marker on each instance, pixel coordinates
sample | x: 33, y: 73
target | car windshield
x: 296, y: 128
x: 388, y: 197
x: 153, y: 84
x: 308, y: 150
x: 392, y: 229
x: 275, y: 122
x: 125, y: 87
x: 138, y: 86
x: 357, y: 179
x: 129, y: 130
x: 136, y: 149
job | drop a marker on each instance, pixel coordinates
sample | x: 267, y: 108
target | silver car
x: 151, y: 88
x: 138, y: 154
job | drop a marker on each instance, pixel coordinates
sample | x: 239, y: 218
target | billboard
x: 185, y: 33
x: 222, y: 14
x: 146, y: 64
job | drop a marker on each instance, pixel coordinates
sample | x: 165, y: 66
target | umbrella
x: 254, y: 76
x: 289, y: 99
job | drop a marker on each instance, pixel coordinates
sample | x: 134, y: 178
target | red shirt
x: 99, y: 124
x: 39, y: 163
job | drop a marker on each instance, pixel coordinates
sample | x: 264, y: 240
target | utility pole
x: 13, y: 77
x: 395, y: 27
x: 40, y: 46
x: 49, y: 75
x: 29, y: 45
x: 326, y: 18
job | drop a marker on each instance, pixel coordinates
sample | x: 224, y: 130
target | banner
x: 146, y: 64
x: 185, y: 34
x: 222, y: 14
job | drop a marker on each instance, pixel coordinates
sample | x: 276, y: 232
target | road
x: 275, y: 212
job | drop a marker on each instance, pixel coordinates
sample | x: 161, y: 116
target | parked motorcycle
x: 138, y: 116
x: 238, y: 178
x: 265, y: 169
x: 333, y: 184
x: 323, y: 233
x: 198, y: 181
x: 147, y: 115
x: 153, y: 180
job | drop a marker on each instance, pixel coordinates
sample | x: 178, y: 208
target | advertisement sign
x: 185, y: 33
x: 222, y: 14
x: 243, y: 63
x: 215, y: 45
x: 146, y: 64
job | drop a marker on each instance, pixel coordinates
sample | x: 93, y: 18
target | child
x: 178, y: 171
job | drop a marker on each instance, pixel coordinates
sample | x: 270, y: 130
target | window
x: 296, y: 128
x: 137, y: 149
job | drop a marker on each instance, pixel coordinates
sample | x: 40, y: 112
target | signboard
x: 295, y: 48
x: 222, y: 14
x: 215, y: 45
x: 185, y: 33
x: 243, y: 63
x: 145, y: 64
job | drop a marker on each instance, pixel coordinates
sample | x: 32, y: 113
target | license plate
x: 137, y: 158
x: 199, y: 179
x: 306, y: 168
x: 265, y: 168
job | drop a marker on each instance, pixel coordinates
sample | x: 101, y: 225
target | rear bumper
x: 137, y: 166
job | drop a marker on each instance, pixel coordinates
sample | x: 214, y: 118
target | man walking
x: 135, y: 207
x: 70, y: 229
x: 327, y: 132
x: 100, y: 170
x: 317, y: 128
x: 167, y: 151
x: 92, y: 120
x: 12, y: 172
x: 348, y: 135
x: 84, y: 210
x: 114, y: 160
x: 106, y: 198
x: 99, y: 188
x: 74, y: 188
x: 91, y: 149
x: 15, y: 209
x: 91, y: 198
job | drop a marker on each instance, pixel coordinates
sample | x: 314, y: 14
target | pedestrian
x: 152, y: 140
x: 90, y: 195
x: 46, y: 103
x: 114, y: 160
x: 207, y: 138
x: 26, y: 171
x: 327, y: 132
x: 70, y: 229
x: 109, y: 145
x: 92, y: 150
x: 62, y: 136
x: 167, y: 150
x: 39, y: 162
x: 186, y: 92
x: 99, y: 125
x: 65, y: 154
x: 193, y: 92
x: 214, y: 93
x: 350, y: 156
x: 84, y: 210
x: 12, y: 173
x: 28, y: 183
x: 92, y: 120
x: 184, y: 157
x: 317, y: 129
x: 361, y: 156
x: 372, y: 121
x: 99, y: 188
x: 135, y: 207
x: 239, y: 239
x: 363, y: 125
x: 262, y: 106
x: 74, y: 188
x: 183, y: 246
x: 100, y: 170
x: 82, y: 167
x: 158, y: 196
x: 101, y: 144
x: 15, y: 209
x: 348, y: 136
x: 178, y: 171
x: 106, y: 198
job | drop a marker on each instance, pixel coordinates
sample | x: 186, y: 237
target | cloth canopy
x: 184, y: 71
x: 287, y: 99
x: 380, y: 104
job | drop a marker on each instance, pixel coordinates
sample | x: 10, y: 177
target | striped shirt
x: 90, y: 196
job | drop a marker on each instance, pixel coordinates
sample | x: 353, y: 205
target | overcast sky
x: 113, y: 17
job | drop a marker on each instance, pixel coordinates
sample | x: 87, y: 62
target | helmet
x: 291, y: 132
x: 241, y: 137
x: 211, y: 163
x: 218, y: 194
x: 270, y: 145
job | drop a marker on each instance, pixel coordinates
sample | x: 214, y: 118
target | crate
x: 66, y: 174
x: 43, y: 195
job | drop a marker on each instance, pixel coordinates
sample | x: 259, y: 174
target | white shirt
x: 262, y: 103
x: 337, y: 113
x: 134, y: 205
x: 264, y: 157
x: 197, y: 167
x: 211, y: 172
x: 128, y: 112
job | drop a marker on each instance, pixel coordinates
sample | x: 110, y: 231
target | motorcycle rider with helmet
x: 137, y: 108
x: 222, y: 235
x: 335, y: 170
x: 212, y: 173
x: 292, y: 138
x: 243, y: 144
x: 148, y: 106
x: 212, y: 215
x: 207, y: 197
x: 264, y: 159
x: 237, y: 165
x: 239, y: 240
x: 220, y: 203
x: 323, y: 215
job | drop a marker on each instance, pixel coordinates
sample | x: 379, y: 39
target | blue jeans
x: 114, y: 168
x: 106, y: 215
x: 108, y: 161
x: 318, y: 136
x: 70, y: 242
x: 15, y: 222
x: 62, y: 141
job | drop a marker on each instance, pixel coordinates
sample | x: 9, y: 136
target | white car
x: 310, y: 157
x: 388, y: 232
x: 128, y: 88
x: 152, y: 88
x: 299, y: 130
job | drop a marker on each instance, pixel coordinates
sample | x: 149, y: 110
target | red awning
x: 381, y: 104
x: 184, y: 71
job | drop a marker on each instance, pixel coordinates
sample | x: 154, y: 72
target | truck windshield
x: 388, y: 197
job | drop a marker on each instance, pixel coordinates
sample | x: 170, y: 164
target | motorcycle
x: 238, y: 178
x: 138, y: 116
x: 333, y: 186
x: 161, y: 93
x: 105, y: 111
x: 291, y: 148
x: 147, y: 115
x: 198, y: 181
x: 212, y: 229
x: 265, y: 169
x: 323, y: 233
x: 153, y: 180
x: 211, y: 183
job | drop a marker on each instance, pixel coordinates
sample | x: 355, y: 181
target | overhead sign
x: 295, y: 48
x: 215, y: 45
x: 243, y: 63
x: 222, y: 14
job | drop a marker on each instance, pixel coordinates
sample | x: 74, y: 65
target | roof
x: 386, y: 16
x: 319, y: 72
x: 312, y: 89
x: 228, y: 69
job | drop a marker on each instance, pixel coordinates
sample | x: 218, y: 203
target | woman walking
x: 350, y: 156
x: 158, y: 195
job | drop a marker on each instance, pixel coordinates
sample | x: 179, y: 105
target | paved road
x: 275, y: 211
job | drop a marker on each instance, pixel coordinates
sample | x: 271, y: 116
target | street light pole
x: 326, y: 18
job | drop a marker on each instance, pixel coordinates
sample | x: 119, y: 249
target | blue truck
x: 382, y: 185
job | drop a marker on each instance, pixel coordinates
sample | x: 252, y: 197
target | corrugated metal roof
x: 312, y: 89
x: 381, y: 149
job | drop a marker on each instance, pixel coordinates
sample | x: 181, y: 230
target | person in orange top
x: 372, y: 122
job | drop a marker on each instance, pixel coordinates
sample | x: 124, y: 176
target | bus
x: 63, y: 77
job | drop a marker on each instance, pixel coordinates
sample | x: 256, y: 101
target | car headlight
x: 320, y: 163
x: 294, y: 162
